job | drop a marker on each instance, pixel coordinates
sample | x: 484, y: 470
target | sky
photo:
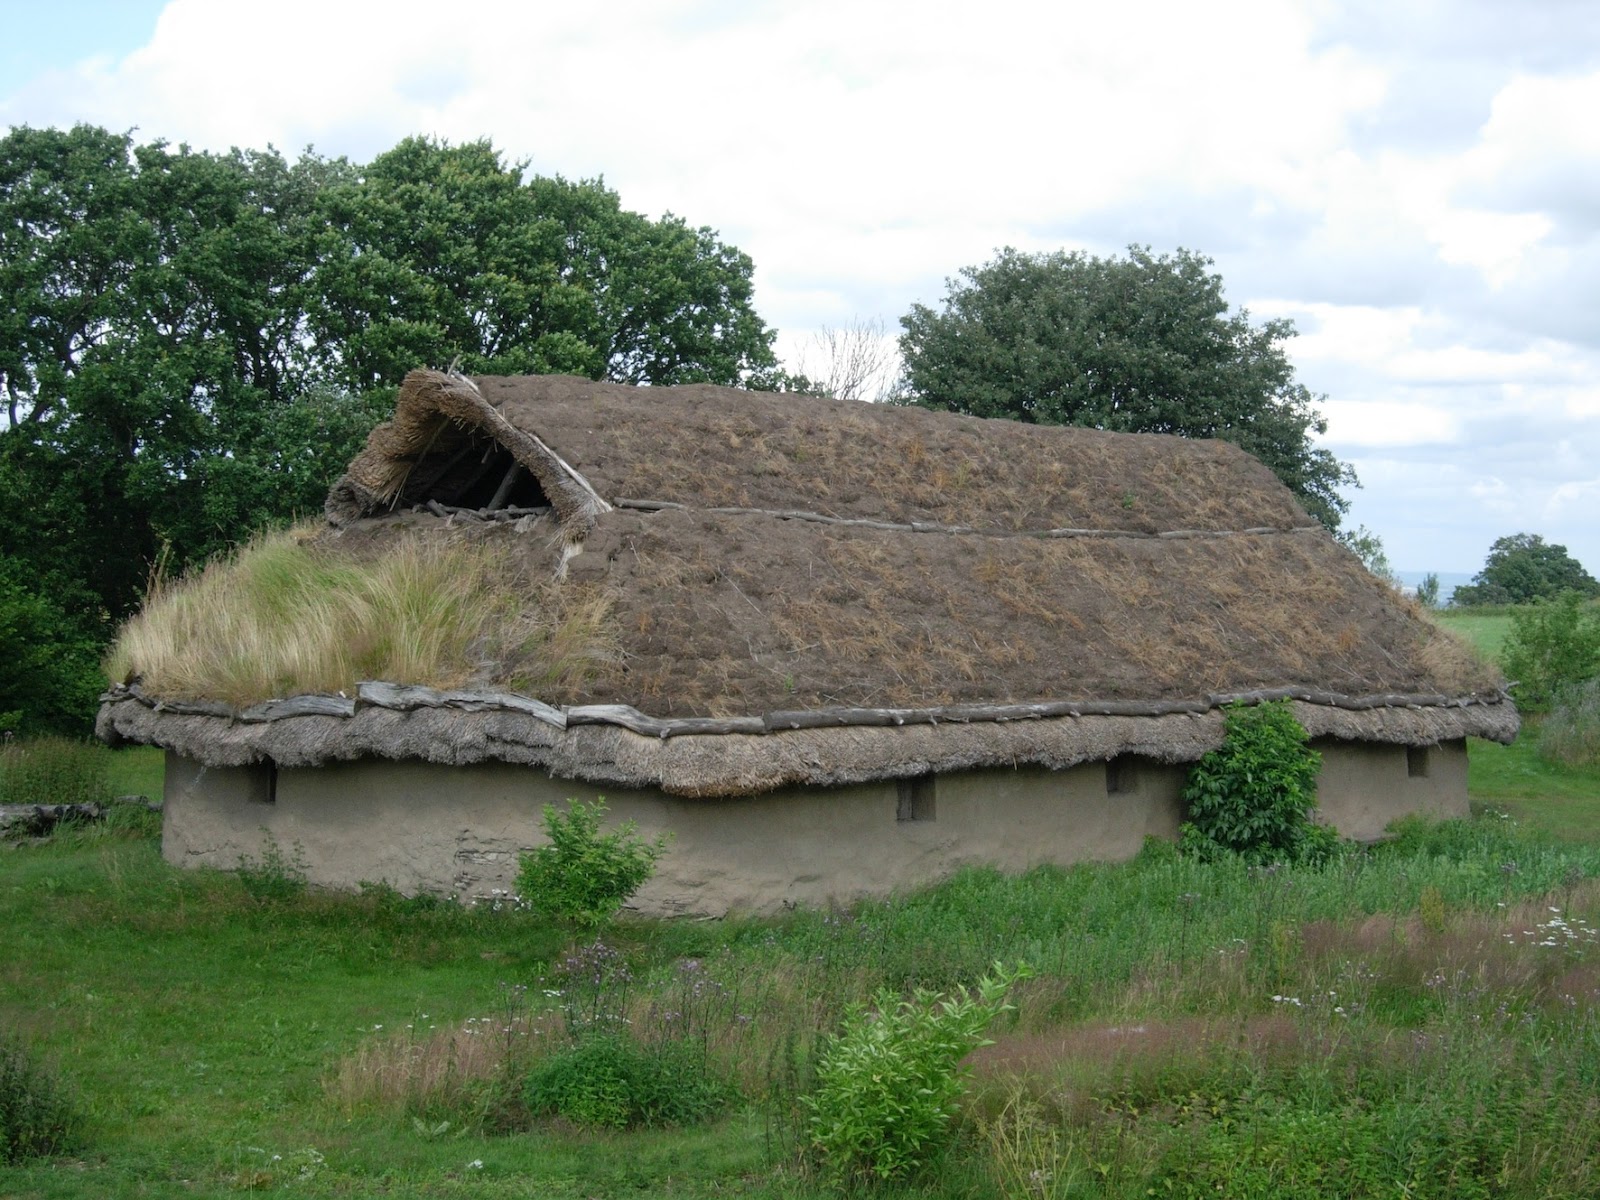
x: 1415, y: 183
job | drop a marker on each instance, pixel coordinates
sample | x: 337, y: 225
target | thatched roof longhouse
x: 918, y: 591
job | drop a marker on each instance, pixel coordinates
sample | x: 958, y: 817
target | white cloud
x: 1413, y: 183
x: 1386, y: 423
x: 1582, y: 494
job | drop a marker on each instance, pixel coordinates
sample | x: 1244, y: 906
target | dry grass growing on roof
x: 285, y: 615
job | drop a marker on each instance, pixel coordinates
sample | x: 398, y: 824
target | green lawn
x: 1562, y: 801
x: 1485, y: 629
x: 137, y: 771
x: 1194, y: 1030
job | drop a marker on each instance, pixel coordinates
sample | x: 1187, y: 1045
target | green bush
x: 1254, y: 794
x: 1571, y: 733
x: 886, y: 1085
x: 35, y: 1116
x: 1552, y: 645
x: 608, y: 1081
x: 54, y: 770
x: 585, y: 875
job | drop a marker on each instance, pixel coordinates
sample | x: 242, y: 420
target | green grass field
x: 1562, y: 801
x: 1485, y: 629
x: 1419, y: 1019
x: 137, y: 771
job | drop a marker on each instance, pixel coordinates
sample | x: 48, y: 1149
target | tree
x: 1553, y: 645
x: 193, y: 345
x: 1368, y: 547
x: 1143, y: 343
x: 855, y: 361
x: 1523, y: 567
x: 1428, y: 591
x: 153, y: 329
x: 437, y: 251
x: 52, y: 670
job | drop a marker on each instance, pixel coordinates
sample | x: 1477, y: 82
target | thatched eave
x: 754, y: 755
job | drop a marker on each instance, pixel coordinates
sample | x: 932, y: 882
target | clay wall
x: 459, y: 830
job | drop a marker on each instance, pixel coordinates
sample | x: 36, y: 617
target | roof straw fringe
x: 462, y: 730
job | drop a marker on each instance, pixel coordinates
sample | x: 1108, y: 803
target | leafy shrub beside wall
x: 1254, y: 795
x: 585, y: 875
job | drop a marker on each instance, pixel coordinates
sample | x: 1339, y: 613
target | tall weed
x: 887, y: 1083
x: 36, y: 1116
x: 1570, y: 735
x: 54, y: 770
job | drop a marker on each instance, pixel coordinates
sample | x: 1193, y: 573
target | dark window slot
x: 916, y: 799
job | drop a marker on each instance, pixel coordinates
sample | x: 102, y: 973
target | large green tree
x: 1523, y: 567
x: 154, y: 349
x: 437, y: 251
x: 192, y: 345
x: 1143, y: 343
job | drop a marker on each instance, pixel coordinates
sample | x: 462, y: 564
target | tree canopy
x: 1137, y: 344
x: 1523, y: 567
x: 193, y: 345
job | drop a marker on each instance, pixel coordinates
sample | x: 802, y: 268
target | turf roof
x: 791, y: 590
x: 1064, y: 585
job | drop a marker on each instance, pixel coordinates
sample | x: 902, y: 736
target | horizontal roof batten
x: 933, y: 527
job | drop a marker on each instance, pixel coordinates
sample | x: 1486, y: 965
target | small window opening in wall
x: 1122, y: 777
x: 1417, y: 762
x: 916, y: 799
x: 264, y: 786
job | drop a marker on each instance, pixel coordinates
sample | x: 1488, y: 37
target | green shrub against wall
x: 1254, y: 795
x: 585, y: 875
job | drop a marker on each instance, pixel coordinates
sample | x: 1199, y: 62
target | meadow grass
x: 1484, y: 628
x: 283, y: 615
x: 1415, y: 1018
x: 1550, y: 796
x: 54, y: 770
x: 137, y: 771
